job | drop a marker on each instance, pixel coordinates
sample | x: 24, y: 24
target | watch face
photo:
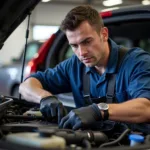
x: 103, y: 106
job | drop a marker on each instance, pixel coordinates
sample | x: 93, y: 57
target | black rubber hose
x: 86, y: 144
x: 1, y: 134
x: 19, y: 117
x: 117, y: 140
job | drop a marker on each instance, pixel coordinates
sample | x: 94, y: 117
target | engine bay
x: 22, y: 126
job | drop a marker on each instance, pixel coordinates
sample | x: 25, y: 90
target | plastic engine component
x: 35, y: 140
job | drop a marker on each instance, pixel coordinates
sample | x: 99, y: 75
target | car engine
x: 22, y: 126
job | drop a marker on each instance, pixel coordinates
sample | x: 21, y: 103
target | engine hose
x: 19, y: 117
x: 1, y: 134
x: 86, y: 144
x: 117, y: 140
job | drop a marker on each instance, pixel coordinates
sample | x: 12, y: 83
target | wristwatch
x: 104, y: 107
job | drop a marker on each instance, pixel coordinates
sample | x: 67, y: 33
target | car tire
x: 15, y: 92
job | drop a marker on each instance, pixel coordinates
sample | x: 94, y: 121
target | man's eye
x: 87, y: 42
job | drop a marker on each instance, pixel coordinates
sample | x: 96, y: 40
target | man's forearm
x: 32, y: 90
x: 133, y: 111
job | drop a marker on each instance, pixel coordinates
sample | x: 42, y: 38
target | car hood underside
x: 12, y: 13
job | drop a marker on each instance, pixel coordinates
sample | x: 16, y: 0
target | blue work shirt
x: 132, y: 80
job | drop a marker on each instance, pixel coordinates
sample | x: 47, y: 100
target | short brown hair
x: 79, y: 14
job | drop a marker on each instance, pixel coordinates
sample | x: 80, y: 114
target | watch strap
x: 106, y: 114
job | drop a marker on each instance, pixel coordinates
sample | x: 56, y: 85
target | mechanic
x: 98, y: 55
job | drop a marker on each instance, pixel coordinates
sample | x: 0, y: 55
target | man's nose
x: 82, y: 50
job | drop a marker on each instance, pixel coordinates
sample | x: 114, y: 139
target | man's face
x: 89, y: 45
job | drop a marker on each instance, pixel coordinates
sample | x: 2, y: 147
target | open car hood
x: 12, y: 13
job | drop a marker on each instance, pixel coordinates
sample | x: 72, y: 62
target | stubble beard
x: 96, y: 62
x: 92, y: 64
x: 100, y: 62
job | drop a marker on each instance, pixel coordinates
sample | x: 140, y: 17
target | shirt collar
x: 113, y: 58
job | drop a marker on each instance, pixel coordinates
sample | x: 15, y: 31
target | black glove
x: 52, y: 108
x: 83, y: 117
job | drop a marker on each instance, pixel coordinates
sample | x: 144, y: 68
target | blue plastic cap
x: 136, y: 137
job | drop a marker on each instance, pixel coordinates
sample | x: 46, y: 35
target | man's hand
x: 51, y: 108
x: 83, y: 117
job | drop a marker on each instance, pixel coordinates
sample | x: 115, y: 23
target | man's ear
x: 104, y: 33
